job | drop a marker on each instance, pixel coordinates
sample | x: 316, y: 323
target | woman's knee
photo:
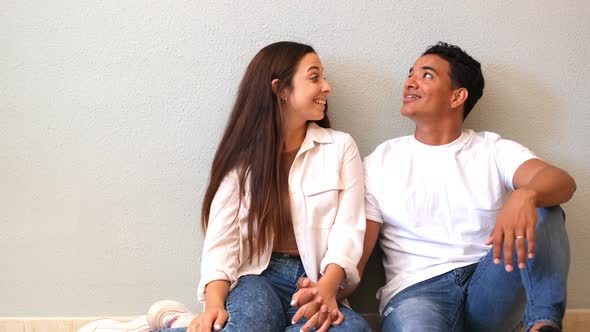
x: 353, y: 322
x: 253, y: 305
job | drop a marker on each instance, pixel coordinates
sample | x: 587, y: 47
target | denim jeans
x: 262, y: 302
x: 484, y: 297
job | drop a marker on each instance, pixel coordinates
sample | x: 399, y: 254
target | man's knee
x: 416, y: 314
x: 550, y: 215
x: 551, y: 232
x: 551, y: 263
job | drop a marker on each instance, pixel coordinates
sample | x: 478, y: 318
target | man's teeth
x: 319, y: 101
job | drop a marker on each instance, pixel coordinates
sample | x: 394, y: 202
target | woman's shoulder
x: 329, y: 134
x: 341, y: 135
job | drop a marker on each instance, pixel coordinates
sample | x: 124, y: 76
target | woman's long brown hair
x: 253, y: 141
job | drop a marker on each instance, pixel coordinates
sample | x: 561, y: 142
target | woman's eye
x: 427, y: 75
x: 314, y: 78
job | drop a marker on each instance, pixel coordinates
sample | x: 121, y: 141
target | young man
x: 440, y: 198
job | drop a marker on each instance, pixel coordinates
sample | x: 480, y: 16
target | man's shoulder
x: 390, y: 148
x: 484, y: 135
x: 490, y: 140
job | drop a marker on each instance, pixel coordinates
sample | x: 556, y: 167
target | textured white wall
x: 110, y: 112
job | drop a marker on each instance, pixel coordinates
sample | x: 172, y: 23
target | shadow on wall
x: 364, y: 298
x: 365, y: 102
x: 519, y: 107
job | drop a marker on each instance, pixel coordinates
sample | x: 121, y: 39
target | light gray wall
x: 110, y: 112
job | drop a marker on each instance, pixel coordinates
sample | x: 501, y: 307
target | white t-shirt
x: 437, y: 204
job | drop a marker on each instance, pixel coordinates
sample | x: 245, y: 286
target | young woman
x: 285, y: 200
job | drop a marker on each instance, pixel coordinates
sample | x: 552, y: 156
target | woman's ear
x: 275, y: 86
x: 459, y: 97
x: 283, y: 94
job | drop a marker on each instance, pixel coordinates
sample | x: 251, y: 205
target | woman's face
x: 306, y: 99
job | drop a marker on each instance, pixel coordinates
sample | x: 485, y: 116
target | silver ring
x: 520, y: 237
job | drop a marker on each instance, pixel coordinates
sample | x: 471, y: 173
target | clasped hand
x: 317, y: 305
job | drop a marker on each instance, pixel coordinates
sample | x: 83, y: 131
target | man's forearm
x: 551, y: 186
x: 544, y: 183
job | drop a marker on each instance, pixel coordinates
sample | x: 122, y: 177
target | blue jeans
x: 484, y: 297
x: 262, y: 302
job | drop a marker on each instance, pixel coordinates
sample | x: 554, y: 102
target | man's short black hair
x: 465, y: 71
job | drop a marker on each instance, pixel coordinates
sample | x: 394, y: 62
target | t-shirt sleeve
x: 509, y: 156
x: 372, y: 211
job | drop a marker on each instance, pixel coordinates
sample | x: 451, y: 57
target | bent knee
x: 552, y: 214
x: 416, y: 314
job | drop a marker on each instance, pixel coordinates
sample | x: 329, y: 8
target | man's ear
x: 459, y: 97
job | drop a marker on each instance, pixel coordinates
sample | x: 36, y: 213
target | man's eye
x: 427, y: 75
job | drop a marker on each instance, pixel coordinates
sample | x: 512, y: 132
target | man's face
x: 428, y: 91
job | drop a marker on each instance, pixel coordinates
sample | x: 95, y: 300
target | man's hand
x: 322, y: 320
x: 321, y: 311
x: 318, y: 315
x: 538, y: 184
x: 307, y: 292
x: 515, y: 225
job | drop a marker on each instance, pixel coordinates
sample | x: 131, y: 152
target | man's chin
x: 408, y: 113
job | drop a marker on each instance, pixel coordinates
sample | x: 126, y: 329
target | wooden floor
x: 576, y: 320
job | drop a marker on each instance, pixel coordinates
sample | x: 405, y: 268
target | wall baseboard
x: 47, y: 324
x: 576, y: 320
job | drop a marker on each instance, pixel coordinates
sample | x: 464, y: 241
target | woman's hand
x: 215, y: 315
x: 306, y: 292
x: 211, y: 318
x: 321, y: 319
x: 321, y: 306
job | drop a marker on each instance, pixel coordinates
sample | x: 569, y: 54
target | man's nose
x: 410, y: 82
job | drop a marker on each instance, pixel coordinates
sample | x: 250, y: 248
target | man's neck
x: 437, y: 135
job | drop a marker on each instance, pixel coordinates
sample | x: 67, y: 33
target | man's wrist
x: 527, y: 194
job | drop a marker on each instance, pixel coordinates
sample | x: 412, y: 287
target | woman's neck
x: 294, y: 136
